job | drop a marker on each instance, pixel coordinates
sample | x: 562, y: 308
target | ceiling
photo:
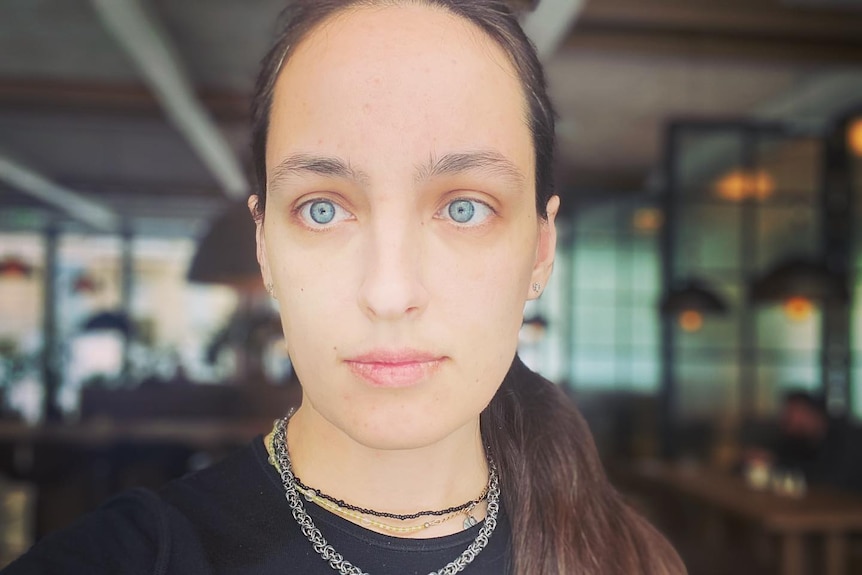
x: 78, y: 114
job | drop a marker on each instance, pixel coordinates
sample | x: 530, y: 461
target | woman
x: 404, y: 217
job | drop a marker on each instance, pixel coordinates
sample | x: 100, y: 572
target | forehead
x: 405, y: 81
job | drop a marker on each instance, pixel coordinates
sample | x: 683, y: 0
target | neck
x: 445, y: 474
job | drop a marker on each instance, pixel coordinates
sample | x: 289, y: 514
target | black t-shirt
x: 233, y: 518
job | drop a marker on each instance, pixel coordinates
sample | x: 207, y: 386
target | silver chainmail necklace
x: 333, y: 557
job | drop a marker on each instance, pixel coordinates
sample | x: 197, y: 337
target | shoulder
x: 221, y: 516
x: 124, y: 536
x: 213, y: 516
x: 234, y: 486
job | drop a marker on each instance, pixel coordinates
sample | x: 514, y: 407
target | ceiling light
x: 647, y: 220
x: 12, y: 267
x: 854, y: 137
x: 227, y: 253
x: 740, y: 185
x: 799, y: 278
x: 690, y: 301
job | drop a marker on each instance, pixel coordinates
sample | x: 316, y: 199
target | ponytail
x: 566, y: 518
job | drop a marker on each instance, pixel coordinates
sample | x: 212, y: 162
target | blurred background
x: 703, y: 312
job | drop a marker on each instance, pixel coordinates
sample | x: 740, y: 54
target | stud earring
x: 270, y: 291
x: 537, y: 287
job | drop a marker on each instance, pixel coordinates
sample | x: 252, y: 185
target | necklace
x: 341, y: 506
x: 402, y: 517
x: 369, y: 522
x: 333, y: 557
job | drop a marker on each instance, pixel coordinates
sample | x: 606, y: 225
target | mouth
x: 394, y: 368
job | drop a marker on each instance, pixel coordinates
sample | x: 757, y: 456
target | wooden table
x: 831, y: 514
x: 101, y: 432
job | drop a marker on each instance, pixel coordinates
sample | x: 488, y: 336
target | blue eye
x: 461, y: 211
x: 322, y: 212
x: 470, y: 212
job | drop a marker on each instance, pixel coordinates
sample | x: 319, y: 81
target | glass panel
x: 594, y: 369
x: 793, y: 166
x: 704, y: 157
x: 595, y: 265
x: 21, y: 339
x: 89, y: 278
x: 707, y: 388
x: 597, y: 220
x: 786, y: 231
x: 594, y: 326
x: 646, y: 372
x: 856, y: 395
x: 645, y: 326
x: 709, y: 238
x: 21, y: 295
x: 856, y: 319
x: 645, y: 268
x: 776, y: 330
x: 717, y: 332
x: 775, y: 379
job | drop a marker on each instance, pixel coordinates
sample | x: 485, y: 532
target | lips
x: 394, y: 368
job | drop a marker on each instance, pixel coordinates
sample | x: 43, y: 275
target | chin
x: 388, y: 432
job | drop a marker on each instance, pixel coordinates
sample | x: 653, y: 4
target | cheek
x: 484, y: 290
x: 314, y: 295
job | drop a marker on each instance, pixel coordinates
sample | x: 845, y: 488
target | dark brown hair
x: 566, y: 518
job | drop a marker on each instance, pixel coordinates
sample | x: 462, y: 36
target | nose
x: 392, y: 284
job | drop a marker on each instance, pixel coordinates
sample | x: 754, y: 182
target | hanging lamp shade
x: 227, y: 254
x: 15, y: 267
x: 692, y: 295
x: 800, y: 278
x: 108, y: 321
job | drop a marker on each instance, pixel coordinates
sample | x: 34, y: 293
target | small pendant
x: 309, y: 495
x: 469, y: 522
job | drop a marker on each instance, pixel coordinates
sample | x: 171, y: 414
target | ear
x: 257, y: 215
x: 545, y: 250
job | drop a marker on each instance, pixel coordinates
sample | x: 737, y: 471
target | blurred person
x: 405, y: 215
x: 826, y: 450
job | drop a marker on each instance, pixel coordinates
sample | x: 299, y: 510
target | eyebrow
x: 303, y: 164
x: 488, y: 161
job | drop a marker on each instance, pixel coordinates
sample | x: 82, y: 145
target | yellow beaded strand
x: 368, y: 521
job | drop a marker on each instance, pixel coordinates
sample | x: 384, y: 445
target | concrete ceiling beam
x: 150, y: 48
x: 70, y: 202
x: 549, y: 24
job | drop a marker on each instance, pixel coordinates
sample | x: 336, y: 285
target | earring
x: 537, y: 287
x: 269, y: 290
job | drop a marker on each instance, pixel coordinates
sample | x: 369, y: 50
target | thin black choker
x: 401, y: 517
x: 345, y: 505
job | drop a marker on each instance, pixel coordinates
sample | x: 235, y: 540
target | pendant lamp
x: 800, y: 278
x: 227, y: 253
x: 689, y: 301
x: 108, y: 321
x: 15, y: 267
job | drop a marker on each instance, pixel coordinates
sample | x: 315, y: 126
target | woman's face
x: 401, y: 234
